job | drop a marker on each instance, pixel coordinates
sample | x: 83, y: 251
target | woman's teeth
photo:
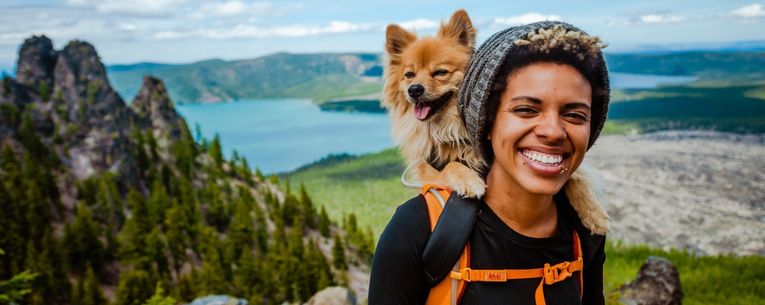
x: 542, y: 157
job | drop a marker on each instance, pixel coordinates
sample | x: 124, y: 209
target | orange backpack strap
x: 447, y: 244
x: 449, y: 290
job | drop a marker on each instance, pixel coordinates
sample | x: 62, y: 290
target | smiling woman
x: 534, y: 100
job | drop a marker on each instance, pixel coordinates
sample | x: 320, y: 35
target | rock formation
x: 333, y: 296
x: 155, y: 111
x: 657, y: 283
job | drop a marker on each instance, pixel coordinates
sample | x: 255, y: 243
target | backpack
x: 450, y: 243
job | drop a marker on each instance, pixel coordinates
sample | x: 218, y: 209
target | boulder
x: 333, y: 296
x: 218, y: 300
x: 657, y: 283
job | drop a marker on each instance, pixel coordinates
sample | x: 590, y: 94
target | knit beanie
x: 504, y: 51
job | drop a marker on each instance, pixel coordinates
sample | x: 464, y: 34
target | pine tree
x: 216, y: 151
x: 241, y: 231
x: 157, y: 248
x: 135, y: 287
x: 132, y: 238
x: 90, y: 293
x: 324, y: 222
x: 159, y: 202
x: 51, y: 285
x: 159, y: 297
x: 83, y: 249
x: 30, y: 140
x: 217, y: 212
x: 13, y: 290
x: 11, y: 222
x: 176, y: 227
x: 338, y: 254
x: 138, y: 149
x: 307, y: 208
x: 248, y: 277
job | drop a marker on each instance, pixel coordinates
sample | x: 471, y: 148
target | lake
x: 280, y: 135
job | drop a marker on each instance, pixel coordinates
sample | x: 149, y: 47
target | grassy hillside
x: 736, y: 108
x: 316, y: 76
x: 369, y: 186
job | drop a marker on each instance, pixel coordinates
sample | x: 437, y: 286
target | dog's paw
x: 471, y: 186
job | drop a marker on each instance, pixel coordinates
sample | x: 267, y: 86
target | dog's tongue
x: 421, y: 111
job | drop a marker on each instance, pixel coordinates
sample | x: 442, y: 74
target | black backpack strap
x: 449, y: 238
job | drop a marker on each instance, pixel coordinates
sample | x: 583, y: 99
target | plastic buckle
x: 556, y: 273
x: 463, y: 275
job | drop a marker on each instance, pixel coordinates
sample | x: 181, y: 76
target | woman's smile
x: 546, y: 164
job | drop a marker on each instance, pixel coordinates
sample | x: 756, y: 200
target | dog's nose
x: 416, y: 91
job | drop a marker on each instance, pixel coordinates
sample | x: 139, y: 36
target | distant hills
x: 326, y: 76
x: 314, y: 76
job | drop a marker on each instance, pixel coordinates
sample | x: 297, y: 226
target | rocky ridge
x: 697, y: 191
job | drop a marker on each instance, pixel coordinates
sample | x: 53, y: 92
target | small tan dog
x: 422, y: 79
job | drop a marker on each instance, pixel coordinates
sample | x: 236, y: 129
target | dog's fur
x: 437, y: 147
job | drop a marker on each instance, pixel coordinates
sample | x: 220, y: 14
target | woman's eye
x: 440, y: 72
x: 409, y: 74
x: 577, y: 116
x: 524, y: 110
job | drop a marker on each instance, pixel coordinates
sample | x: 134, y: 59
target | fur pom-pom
x: 583, y: 199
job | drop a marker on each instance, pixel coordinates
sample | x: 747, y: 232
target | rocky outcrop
x: 333, y: 296
x: 36, y: 61
x: 657, y: 283
x: 155, y: 110
x: 76, y: 112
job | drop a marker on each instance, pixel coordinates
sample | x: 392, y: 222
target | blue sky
x: 180, y: 31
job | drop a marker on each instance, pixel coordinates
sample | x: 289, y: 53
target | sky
x: 183, y: 31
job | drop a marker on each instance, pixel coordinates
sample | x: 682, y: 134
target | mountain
x: 106, y: 202
x: 741, y: 65
x: 312, y: 76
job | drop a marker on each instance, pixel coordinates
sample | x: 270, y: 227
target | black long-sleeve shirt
x: 397, y: 268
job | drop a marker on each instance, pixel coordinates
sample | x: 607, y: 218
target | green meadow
x: 369, y: 187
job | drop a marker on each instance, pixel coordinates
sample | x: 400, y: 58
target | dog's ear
x: 397, y: 38
x: 459, y: 27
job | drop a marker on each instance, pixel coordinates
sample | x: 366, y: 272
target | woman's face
x: 541, y: 129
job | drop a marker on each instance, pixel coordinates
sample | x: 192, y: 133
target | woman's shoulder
x: 411, y: 216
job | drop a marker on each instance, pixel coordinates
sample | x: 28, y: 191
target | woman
x: 534, y: 100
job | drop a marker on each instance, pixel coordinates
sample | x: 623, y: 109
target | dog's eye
x: 409, y: 74
x: 440, y: 72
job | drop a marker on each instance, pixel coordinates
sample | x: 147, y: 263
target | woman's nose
x: 551, y: 129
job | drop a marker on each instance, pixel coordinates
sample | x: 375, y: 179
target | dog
x: 422, y: 80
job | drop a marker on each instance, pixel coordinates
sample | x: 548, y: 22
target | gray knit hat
x: 501, y: 52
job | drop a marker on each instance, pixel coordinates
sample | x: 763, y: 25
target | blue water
x: 645, y: 81
x: 281, y: 135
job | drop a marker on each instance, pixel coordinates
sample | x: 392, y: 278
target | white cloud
x: 525, y: 19
x: 749, y: 11
x: 646, y: 18
x: 419, y: 24
x: 250, y: 31
x: 231, y: 8
x: 660, y: 18
x: 131, y: 7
